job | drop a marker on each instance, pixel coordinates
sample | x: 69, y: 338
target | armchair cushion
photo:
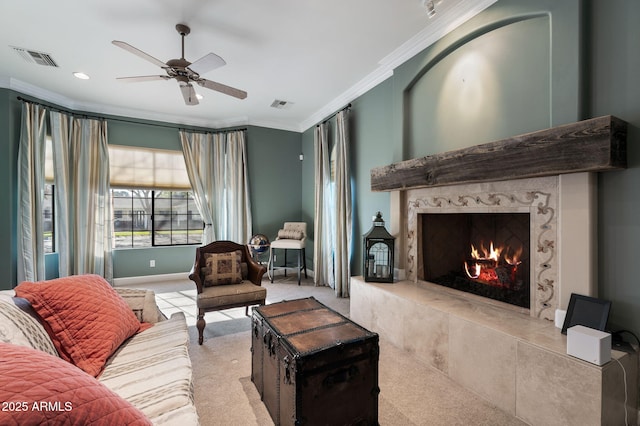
x: 222, y: 268
x: 219, y: 296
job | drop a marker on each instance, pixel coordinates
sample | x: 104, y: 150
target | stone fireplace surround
x: 514, y: 358
x: 555, y: 246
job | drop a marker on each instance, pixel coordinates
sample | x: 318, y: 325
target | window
x: 146, y: 218
x: 176, y: 219
x: 48, y: 219
x: 161, y: 210
x: 48, y: 202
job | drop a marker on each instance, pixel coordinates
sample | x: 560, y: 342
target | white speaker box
x: 590, y: 345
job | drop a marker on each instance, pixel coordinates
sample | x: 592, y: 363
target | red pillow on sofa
x: 37, y: 389
x: 84, y: 316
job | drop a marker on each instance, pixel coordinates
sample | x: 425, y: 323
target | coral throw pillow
x: 39, y: 389
x: 84, y: 316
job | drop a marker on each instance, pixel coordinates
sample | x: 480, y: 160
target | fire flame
x: 491, y: 254
x: 514, y: 258
x: 494, y: 266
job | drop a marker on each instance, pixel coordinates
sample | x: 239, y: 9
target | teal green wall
x: 368, y: 120
x: 274, y: 178
x: 275, y: 173
x: 134, y: 262
x: 8, y: 155
x: 614, y: 67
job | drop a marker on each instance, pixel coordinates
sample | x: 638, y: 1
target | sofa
x: 75, y: 350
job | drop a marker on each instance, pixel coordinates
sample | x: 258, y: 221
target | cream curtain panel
x: 83, y: 199
x: 239, y: 221
x: 333, y: 210
x: 31, y: 152
x: 343, y: 211
x: 323, y: 229
x: 217, y: 168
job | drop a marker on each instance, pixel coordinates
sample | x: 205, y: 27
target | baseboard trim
x: 127, y: 281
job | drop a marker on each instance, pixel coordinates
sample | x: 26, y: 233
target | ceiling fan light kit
x: 183, y: 71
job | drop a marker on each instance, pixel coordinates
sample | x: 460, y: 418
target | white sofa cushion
x: 152, y: 370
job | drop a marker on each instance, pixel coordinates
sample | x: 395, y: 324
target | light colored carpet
x: 411, y: 392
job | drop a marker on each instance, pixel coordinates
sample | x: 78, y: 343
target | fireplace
x: 548, y: 174
x: 486, y: 254
x: 519, y: 363
x: 519, y: 214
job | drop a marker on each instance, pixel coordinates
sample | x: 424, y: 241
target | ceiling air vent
x: 281, y: 104
x: 35, y: 57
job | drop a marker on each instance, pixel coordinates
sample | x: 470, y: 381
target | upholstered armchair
x: 226, y: 276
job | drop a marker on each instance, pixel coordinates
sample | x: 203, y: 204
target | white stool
x: 291, y: 237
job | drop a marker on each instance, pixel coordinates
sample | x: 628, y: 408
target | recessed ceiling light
x: 81, y: 75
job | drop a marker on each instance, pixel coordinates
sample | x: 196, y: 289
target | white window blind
x: 147, y: 168
x: 134, y: 167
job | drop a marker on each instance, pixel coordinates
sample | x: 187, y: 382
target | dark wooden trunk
x: 313, y: 366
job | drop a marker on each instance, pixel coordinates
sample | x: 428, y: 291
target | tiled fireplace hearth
x: 514, y: 357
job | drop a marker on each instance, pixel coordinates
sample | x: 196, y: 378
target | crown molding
x: 274, y: 124
x: 355, y: 91
x: 96, y: 108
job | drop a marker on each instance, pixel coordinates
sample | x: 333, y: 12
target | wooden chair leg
x: 200, y: 325
x: 299, y: 266
x: 304, y: 262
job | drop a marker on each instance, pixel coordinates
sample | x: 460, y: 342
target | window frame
x: 153, y: 217
x: 52, y: 219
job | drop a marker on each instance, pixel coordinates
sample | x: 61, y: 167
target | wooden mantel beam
x: 594, y: 145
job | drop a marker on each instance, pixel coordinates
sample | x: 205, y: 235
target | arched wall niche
x: 489, y: 84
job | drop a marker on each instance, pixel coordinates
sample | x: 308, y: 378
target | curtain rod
x: 66, y: 111
x: 123, y: 120
x: 217, y: 131
x: 335, y: 113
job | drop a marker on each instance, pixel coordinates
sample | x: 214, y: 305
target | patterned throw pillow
x: 290, y: 234
x: 222, y: 268
x: 20, y: 328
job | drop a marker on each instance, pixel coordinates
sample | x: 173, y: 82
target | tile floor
x: 180, y: 295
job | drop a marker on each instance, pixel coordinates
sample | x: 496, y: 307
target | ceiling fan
x: 183, y: 71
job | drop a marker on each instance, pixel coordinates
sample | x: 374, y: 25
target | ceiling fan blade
x: 140, y: 53
x: 143, y: 78
x: 218, y: 87
x: 189, y: 94
x: 207, y: 63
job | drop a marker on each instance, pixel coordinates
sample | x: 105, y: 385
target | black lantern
x: 378, y: 253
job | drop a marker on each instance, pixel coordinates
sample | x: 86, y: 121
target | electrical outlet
x: 152, y: 264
